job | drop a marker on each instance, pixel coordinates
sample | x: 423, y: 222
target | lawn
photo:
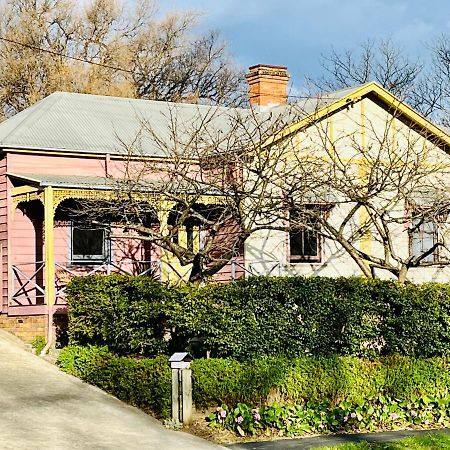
x: 430, y: 441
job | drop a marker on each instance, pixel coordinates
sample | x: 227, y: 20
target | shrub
x: 318, y: 379
x: 261, y: 316
x: 218, y: 381
x: 125, y: 313
x: 311, y: 390
x: 38, y: 344
x: 145, y: 383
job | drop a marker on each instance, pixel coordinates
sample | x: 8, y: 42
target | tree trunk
x: 197, y: 269
x: 402, y: 274
x: 365, y: 268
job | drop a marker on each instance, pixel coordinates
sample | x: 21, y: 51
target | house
x: 72, y: 147
x: 356, y: 134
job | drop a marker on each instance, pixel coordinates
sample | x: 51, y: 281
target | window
x: 423, y: 236
x: 304, y: 241
x: 195, y: 235
x: 202, y: 235
x: 88, y: 244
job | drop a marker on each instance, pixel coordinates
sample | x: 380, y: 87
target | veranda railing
x: 28, y: 288
x: 27, y: 279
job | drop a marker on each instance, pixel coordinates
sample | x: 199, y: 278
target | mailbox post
x: 181, y: 387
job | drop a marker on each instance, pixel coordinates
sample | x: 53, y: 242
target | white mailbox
x: 181, y: 360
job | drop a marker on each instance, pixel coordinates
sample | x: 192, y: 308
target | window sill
x: 88, y: 263
x: 434, y: 265
x: 305, y: 263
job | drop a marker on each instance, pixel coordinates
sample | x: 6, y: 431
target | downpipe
x: 49, y: 332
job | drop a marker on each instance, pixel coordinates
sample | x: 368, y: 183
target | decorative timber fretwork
x: 26, y: 197
x: 158, y: 201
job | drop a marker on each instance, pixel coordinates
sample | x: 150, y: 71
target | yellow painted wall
x: 363, y: 123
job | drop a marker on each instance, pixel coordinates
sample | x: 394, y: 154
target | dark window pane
x: 296, y: 246
x: 88, y: 243
x: 310, y: 243
x: 422, y: 238
x: 303, y: 241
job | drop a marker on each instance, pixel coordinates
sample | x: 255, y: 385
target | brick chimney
x: 267, y: 85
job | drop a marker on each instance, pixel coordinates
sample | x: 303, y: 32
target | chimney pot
x: 267, y: 85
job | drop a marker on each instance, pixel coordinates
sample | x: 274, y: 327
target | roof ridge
x: 144, y: 100
x: 348, y: 88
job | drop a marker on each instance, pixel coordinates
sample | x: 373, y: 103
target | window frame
x: 89, y: 259
x: 296, y: 259
x: 437, y: 238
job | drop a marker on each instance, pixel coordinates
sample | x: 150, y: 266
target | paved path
x: 44, y: 408
x: 332, y: 440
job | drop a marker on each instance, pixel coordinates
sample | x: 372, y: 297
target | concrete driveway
x: 43, y: 408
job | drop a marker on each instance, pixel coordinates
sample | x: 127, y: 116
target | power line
x: 107, y: 66
x: 62, y: 55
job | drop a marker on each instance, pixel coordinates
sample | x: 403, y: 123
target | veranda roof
x: 62, y: 181
x: 111, y: 184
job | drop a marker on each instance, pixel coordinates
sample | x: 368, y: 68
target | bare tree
x: 218, y: 177
x: 26, y: 75
x: 433, y: 90
x: 382, y: 62
x: 384, y: 202
x: 166, y: 66
x: 229, y: 174
x: 424, y: 85
x: 105, y: 48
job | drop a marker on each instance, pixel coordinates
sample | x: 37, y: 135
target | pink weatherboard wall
x: 55, y: 165
x: 21, y: 234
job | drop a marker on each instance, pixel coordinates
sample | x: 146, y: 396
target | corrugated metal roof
x: 65, y: 181
x: 112, y: 184
x: 99, y: 124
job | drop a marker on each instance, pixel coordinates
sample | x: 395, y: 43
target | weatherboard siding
x: 55, y: 165
x: 4, y: 233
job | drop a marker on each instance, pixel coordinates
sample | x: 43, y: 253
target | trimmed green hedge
x: 261, y: 316
x: 128, y: 314
x: 146, y: 382
x: 262, y: 381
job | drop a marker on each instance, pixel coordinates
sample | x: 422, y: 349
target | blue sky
x: 295, y: 32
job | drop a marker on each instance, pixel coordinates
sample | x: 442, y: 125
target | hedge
x: 261, y: 316
x: 145, y: 382
x: 125, y: 313
x: 263, y: 381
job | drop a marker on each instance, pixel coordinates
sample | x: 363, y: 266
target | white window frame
x: 419, y: 235
x: 92, y: 258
